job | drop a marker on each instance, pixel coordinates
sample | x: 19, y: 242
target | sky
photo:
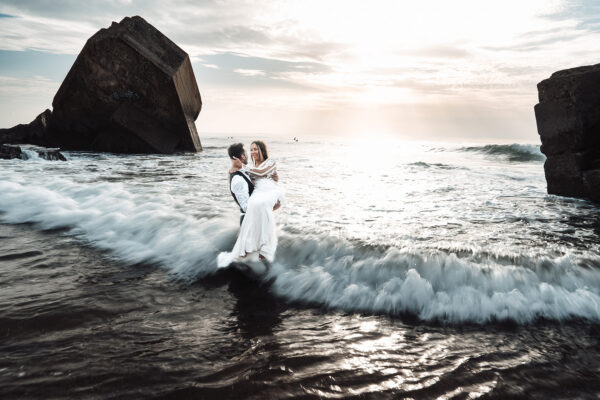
x: 433, y: 70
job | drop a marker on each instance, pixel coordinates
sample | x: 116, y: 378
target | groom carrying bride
x: 257, y: 193
x: 240, y: 184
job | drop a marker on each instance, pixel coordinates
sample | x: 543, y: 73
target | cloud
x: 22, y: 99
x: 348, y: 54
x: 34, y: 86
x: 249, y: 72
x: 433, y: 52
x: 39, y: 33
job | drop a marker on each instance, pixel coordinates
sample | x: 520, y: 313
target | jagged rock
x: 130, y: 90
x: 568, y: 121
x: 8, y: 151
x: 45, y: 153
x: 36, y: 132
x: 25, y: 152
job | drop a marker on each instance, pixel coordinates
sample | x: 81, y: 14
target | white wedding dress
x: 258, y: 233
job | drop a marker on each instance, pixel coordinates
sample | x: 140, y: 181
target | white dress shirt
x: 240, y: 189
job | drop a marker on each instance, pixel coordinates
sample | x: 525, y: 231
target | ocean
x: 404, y: 270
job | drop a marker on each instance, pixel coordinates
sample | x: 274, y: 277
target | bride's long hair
x: 263, y: 150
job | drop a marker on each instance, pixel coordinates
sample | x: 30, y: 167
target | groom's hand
x: 277, y: 205
x: 237, y: 163
x: 275, y: 177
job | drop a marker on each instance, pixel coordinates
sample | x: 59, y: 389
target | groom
x: 240, y: 185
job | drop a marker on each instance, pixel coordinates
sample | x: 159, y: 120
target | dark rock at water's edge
x: 10, y: 151
x: 130, y: 90
x: 36, y: 132
x: 568, y: 121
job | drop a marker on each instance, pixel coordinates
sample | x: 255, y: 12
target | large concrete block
x: 130, y: 90
x: 568, y: 121
x: 129, y: 66
x: 566, y: 83
x: 591, y: 183
x: 560, y: 127
x: 564, y: 174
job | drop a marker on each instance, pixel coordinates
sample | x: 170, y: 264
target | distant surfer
x: 256, y: 192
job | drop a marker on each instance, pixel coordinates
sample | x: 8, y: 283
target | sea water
x: 388, y: 250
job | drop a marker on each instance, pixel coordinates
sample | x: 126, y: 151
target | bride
x: 258, y: 231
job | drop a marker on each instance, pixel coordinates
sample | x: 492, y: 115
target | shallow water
x: 405, y: 270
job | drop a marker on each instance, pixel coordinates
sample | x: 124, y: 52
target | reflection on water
x: 73, y: 323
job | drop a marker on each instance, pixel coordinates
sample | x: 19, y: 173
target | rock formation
x: 568, y: 121
x: 36, y: 132
x: 130, y: 90
x: 10, y: 151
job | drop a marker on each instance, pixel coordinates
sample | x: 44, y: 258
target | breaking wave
x: 436, y: 286
x: 319, y: 270
x: 510, y: 152
x: 421, y: 164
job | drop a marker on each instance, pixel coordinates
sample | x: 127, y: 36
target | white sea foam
x: 31, y: 155
x: 322, y: 270
x: 131, y: 228
x: 512, y: 152
x: 434, y: 286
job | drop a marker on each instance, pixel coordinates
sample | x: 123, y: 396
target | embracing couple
x: 254, y: 188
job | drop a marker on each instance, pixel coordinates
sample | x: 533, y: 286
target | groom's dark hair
x: 235, y: 150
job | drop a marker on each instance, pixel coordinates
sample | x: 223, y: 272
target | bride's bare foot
x: 266, y: 263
